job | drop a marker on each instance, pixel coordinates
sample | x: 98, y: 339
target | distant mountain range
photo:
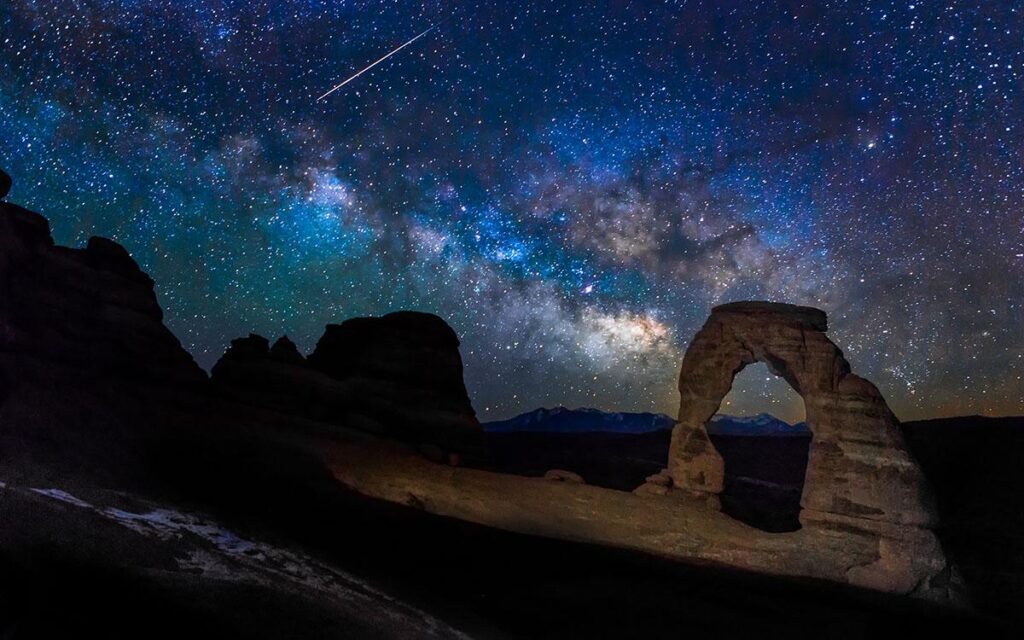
x: 763, y: 424
x: 563, y: 420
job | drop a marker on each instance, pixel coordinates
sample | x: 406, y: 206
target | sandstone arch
x: 859, y: 472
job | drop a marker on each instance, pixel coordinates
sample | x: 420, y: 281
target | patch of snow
x: 63, y: 496
x: 166, y: 523
x: 231, y: 557
x: 238, y: 559
x: 234, y: 557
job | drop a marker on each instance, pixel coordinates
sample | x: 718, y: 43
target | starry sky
x: 572, y: 185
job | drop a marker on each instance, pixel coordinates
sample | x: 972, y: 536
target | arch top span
x: 859, y: 472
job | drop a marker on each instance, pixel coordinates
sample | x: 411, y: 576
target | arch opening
x: 760, y: 432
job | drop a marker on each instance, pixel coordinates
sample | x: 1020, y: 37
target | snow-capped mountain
x: 763, y: 424
x: 563, y: 420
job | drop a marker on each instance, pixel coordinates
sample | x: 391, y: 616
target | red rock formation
x: 858, y: 466
x: 859, y: 473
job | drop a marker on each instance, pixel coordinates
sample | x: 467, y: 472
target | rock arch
x: 859, y: 472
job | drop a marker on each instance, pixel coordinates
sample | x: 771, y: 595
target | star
x: 572, y: 187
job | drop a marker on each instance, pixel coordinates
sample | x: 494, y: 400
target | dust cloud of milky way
x: 571, y: 185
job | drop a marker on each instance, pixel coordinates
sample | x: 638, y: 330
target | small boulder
x: 561, y: 475
x: 650, y: 489
x: 661, y: 479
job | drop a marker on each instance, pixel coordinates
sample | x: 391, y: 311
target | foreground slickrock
x: 668, y: 525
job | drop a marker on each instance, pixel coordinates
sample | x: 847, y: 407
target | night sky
x: 572, y: 185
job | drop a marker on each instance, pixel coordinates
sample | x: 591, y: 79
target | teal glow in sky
x: 571, y: 185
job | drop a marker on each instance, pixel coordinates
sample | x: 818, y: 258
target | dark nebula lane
x: 572, y: 185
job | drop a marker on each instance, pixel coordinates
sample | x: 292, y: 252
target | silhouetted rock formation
x: 286, y: 351
x: 86, y: 364
x: 89, y: 373
x: 859, y: 473
x: 278, y: 378
x: 5, y: 184
x: 973, y: 463
x: 405, y: 375
x: 398, y: 376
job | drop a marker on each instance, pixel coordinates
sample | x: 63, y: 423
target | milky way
x: 571, y: 185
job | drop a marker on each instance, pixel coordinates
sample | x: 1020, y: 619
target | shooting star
x: 336, y: 87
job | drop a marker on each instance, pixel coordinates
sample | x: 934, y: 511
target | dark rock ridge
x: 398, y: 376
x: 278, y: 378
x: 90, y: 376
x: 973, y: 462
x: 405, y: 372
x: 86, y: 364
x: 5, y: 184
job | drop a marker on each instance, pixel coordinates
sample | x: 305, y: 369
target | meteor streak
x: 338, y: 86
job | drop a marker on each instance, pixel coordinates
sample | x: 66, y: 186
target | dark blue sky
x: 571, y: 185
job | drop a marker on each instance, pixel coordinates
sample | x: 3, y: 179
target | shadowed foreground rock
x: 91, y: 378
